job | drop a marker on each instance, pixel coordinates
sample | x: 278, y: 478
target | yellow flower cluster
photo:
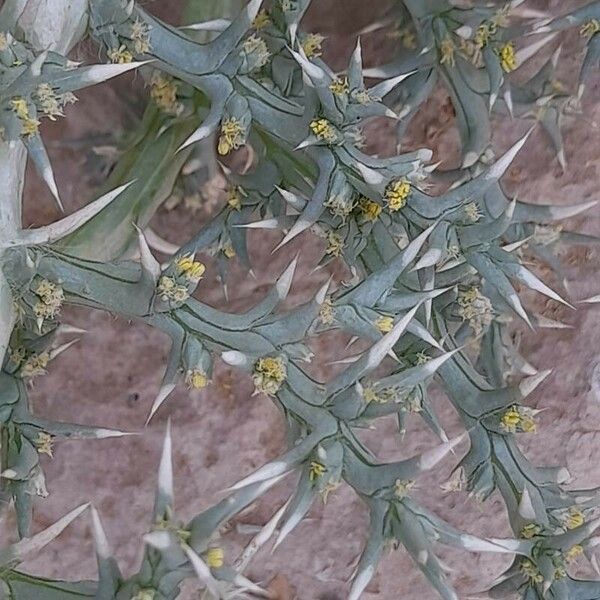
x: 369, y: 209
x: 327, y: 312
x: 120, y: 55
x: 29, y: 125
x: 384, y: 324
x: 339, y: 86
x: 191, y: 270
x: 573, y: 553
x: 163, y: 90
x: 145, y: 594
x: 518, y: 418
x: 233, y: 197
x: 335, y: 244
x: 140, y: 37
x: 35, y: 365
x: 44, y: 443
x: 483, y: 34
x: 215, y: 557
x: 324, y: 130
x: 590, y: 29
x: 472, y: 212
x: 51, y: 298
x: 403, y: 487
x: 508, y: 58
x: 48, y: 101
x: 269, y: 374
x: 575, y: 518
x: 530, y: 571
x: 257, y: 47
x: 316, y: 470
x: 475, y: 308
x: 312, y: 45
x: 232, y: 136
x: 447, y: 49
x: 229, y: 250
x: 169, y: 290
x: 396, y: 194
x: 261, y: 21
x: 530, y: 531
x: 196, y: 379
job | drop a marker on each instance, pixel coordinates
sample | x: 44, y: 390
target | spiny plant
x: 433, y: 284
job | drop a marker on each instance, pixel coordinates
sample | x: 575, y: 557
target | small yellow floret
x: 269, y: 374
x: 44, y: 443
x: 508, y: 58
x: 120, y: 55
x: 317, y: 470
x: 312, y: 45
x: 232, y: 136
x: 384, y: 324
x: 397, y: 194
x: 323, y: 130
x: 215, y: 557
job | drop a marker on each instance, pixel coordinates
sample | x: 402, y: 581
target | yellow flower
x: 120, y: 55
x: 234, y: 197
x: 29, y: 125
x: 327, y: 312
x: 262, y: 20
x: 575, y: 518
x: 530, y: 571
x: 369, y: 209
x: 590, y: 29
x: 168, y: 289
x: 422, y: 358
x: 140, y: 37
x: 215, y: 557
x: 447, y: 52
x: 475, y: 308
x: 48, y: 101
x: 232, y: 136
x: 196, y: 379
x: 403, y: 487
x: 335, y: 244
x: 397, y: 194
x: 44, y: 443
x: 35, y: 365
x: 316, y: 470
x: 192, y: 270
x: 483, y: 34
x: 339, y: 86
x: 228, y: 250
x: 530, y: 531
x: 51, y: 299
x: 145, y: 594
x: 510, y: 420
x: 573, y: 553
x: 324, y: 130
x: 312, y: 45
x: 472, y: 212
x: 384, y: 324
x: 19, y: 105
x: 269, y: 374
x: 257, y: 47
x: 163, y: 90
x: 508, y: 59
x: 17, y: 355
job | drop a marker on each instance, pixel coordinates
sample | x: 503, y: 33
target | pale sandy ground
x: 223, y: 433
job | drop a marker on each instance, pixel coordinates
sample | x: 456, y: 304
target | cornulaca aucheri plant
x: 433, y: 291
